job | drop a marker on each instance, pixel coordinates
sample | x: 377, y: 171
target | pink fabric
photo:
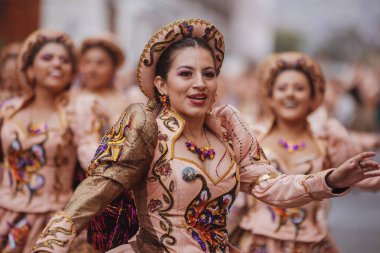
x: 307, y: 223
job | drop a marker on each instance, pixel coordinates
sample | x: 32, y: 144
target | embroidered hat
x: 167, y: 35
x: 35, y: 41
x: 108, y: 42
x: 276, y: 63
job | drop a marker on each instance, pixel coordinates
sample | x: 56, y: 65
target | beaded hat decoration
x: 33, y: 44
x: 108, y: 42
x: 276, y: 63
x: 167, y: 35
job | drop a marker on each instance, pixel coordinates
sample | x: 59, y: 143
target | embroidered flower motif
x: 154, y: 205
x: 206, y: 218
x: 162, y: 137
x: 164, y: 170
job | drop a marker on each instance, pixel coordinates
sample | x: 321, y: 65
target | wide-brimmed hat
x: 107, y: 41
x: 276, y: 63
x: 167, y: 35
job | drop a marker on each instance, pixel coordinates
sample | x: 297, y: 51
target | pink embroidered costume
x: 38, y: 161
x: 265, y: 228
x: 182, y: 207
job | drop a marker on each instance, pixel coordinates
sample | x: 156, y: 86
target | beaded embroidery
x: 206, y: 219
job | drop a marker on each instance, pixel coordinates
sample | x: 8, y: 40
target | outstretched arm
x: 261, y: 180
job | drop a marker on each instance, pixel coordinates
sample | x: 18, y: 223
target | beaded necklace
x: 204, y: 152
x: 292, y: 147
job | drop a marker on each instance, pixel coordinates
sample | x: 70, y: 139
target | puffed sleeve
x: 259, y: 178
x: 341, y: 145
x: 120, y: 163
x: 87, y: 121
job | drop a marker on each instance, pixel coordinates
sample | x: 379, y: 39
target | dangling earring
x: 165, y: 101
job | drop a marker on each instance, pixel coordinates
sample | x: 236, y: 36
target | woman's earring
x: 165, y: 101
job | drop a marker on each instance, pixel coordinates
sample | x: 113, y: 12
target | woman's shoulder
x: 11, y: 106
x: 138, y: 116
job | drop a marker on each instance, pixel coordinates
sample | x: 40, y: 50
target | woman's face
x: 51, y: 68
x: 97, y: 68
x: 291, y: 96
x: 191, y: 82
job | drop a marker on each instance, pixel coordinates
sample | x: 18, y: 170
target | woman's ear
x: 160, y: 84
x: 30, y: 74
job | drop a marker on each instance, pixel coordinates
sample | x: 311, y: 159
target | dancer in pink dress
x: 184, y: 160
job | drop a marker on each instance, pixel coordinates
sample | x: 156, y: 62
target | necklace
x: 292, y: 147
x: 36, y: 128
x: 204, y: 152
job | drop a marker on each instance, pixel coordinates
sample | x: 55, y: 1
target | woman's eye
x: 185, y: 73
x: 65, y: 60
x: 210, y: 74
x: 300, y: 88
x: 47, y: 57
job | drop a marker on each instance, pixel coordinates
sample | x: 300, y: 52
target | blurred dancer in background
x: 100, y: 59
x: 294, y: 86
x: 9, y: 84
x: 40, y: 141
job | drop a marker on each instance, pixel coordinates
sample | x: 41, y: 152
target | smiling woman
x: 293, y: 85
x: 183, y: 198
x: 39, y: 141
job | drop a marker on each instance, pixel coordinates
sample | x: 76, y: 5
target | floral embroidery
x: 282, y: 215
x: 164, y: 170
x: 18, y: 233
x: 154, y: 205
x: 161, y: 170
x: 25, y: 165
x: 206, y: 219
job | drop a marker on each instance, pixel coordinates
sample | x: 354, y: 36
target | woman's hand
x: 353, y: 171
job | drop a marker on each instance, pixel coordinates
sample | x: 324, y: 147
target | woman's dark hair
x: 164, y: 62
x: 104, y: 47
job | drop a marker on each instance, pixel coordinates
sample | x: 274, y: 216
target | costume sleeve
x: 120, y: 163
x: 343, y: 145
x: 340, y: 145
x: 259, y: 178
x: 87, y: 120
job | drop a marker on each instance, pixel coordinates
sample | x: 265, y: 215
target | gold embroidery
x: 265, y: 177
x: 52, y: 229
x: 303, y: 183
